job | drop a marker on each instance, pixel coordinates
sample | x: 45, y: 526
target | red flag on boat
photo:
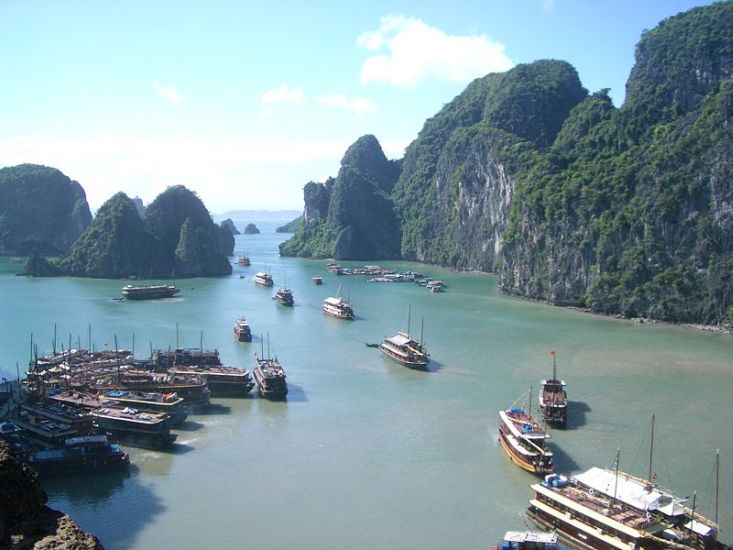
x: 552, y: 352
x: 654, y: 476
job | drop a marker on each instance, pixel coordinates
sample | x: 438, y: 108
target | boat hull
x: 518, y: 459
x: 421, y: 364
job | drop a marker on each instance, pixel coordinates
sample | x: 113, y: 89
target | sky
x: 245, y: 102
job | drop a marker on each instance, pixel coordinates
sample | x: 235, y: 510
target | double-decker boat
x: 270, y: 378
x: 221, y: 381
x: 243, y: 261
x: 168, y: 403
x: 149, y: 292
x: 79, y: 454
x: 405, y: 350
x: 553, y: 400
x: 242, y: 332
x: 144, y: 428
x: 284, y: 296
x: 269, y: 375
x: 338, y: 307
x: 523, y: 439
x: 263, y: 279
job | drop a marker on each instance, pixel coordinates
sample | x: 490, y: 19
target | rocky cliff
x: 573, y: 201
x: 25, y: 521
x: 116, y: 244
x: 631, y: 209
x: 40, y: 208
x: 176, y: 238
x: 351, y: 216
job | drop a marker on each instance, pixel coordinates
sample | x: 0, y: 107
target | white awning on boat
x: 631, y: 491
x: 399, y: 339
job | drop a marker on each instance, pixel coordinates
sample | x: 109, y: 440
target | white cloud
x: 283, y: 94
x: 224, y: 174
x: 416, y: 51
x: 359, y: 105
x: 167, y: 92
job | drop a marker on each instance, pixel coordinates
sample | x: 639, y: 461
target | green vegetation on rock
x: 40, y: 208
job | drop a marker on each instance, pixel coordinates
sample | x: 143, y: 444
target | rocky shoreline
x: 25, y: 520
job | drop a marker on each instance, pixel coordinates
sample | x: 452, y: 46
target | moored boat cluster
x: 73, y: 407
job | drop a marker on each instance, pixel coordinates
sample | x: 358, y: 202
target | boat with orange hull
x: 523, y: 440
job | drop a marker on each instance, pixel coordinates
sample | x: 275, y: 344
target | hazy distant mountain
x: 256, y: 215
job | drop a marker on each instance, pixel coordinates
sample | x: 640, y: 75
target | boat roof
x: 334, y: 301
x: 530, y: 536
x: 631, y: 491
x: 511, y: 423
x: 400, y: 339
x: 554, y: 381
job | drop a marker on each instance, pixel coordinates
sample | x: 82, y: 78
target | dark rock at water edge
x: 25, y: 520
x: 229, y: 224
x: 251, y: 229
x: 40, y: 208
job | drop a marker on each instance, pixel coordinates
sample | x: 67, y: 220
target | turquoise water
x: 365, y: 453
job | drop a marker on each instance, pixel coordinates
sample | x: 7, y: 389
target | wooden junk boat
x: 405, y: 350
x: 269, y: 375
x: 523, y: 440
x: 553, y: 400
x: 263, y: 279
x: 284, y: 296
x: 79, y: 454
x: 242, y: 332
x: 149, y: 292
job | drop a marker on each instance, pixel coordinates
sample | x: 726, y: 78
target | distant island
x: 229, y: 224
x: 251, y: 229
x: 175, y: 238
x: 290, y: 227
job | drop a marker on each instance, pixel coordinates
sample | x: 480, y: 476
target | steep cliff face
x: 351, y: 216
x: 458, y: 177
x: 25, y: 520
x: 631, y: 212
x: 176, y: 238
x: 115, y: 244
x: 40, y: 208
x: 165, y: 219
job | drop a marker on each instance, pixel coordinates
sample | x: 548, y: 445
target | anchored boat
x: 553, y: 400
x: 242, y: 332
x: 149, y: 292
x: 405, y: 350
x: 523, y: 440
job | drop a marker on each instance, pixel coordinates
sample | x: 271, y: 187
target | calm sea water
x: 365, y: 453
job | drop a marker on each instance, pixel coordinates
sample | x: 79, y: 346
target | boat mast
x: 651, y: 449
x: 717, y: 482
x: 615, y: 485
x: 692, y: 519
x: 554, y: 365
x: 421, y: 327
x: 117, y: 359
x: 529, y: 405
x: 408, y: 319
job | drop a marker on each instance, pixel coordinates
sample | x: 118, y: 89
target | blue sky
x: 245, y: 102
